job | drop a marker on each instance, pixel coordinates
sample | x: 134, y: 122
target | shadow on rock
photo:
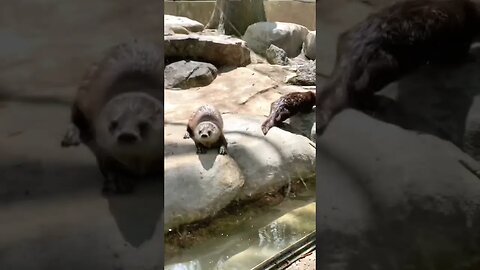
x: 208, y: 159
x: 137, y: 213
x: 434, y: 99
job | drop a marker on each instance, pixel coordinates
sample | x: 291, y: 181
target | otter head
x: 131, y: 125
x: 206, y: 133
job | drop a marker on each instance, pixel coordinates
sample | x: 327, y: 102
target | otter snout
x: 127, y: 138
x: 204, y: 135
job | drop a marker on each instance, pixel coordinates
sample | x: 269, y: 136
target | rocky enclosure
x: 232, y: 74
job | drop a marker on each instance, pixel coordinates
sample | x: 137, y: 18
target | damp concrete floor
x: 52, y: 212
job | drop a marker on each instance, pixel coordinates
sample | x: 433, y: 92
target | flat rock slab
x: 197, y: 186
x: 219, y: 50
x: 243, y: 90
x: 176, y: 23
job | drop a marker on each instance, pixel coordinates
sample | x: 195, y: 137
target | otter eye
x: 209, y: 133
x: 113, y: 126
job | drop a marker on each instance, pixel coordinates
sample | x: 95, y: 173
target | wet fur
x: 130, y: 74
x: 391, y: 43
x: 207, y: 118
x: 287, y: 106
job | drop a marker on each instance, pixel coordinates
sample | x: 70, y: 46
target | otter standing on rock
x: 205, y: 128
x: 287, y: 106
x: 118, y: 114
x: 389, y: 44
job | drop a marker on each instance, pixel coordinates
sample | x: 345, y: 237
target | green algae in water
x: 245, y: 238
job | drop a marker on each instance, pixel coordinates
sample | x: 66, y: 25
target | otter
x: 287, y: 106
x: 118, y: 114
x: 205, y: 128
x: 389, y: 44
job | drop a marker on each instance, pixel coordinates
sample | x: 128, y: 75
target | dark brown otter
x: 205, y: 128
x: 118, y: 114
x: 287, y: 106
x: 391, y: 43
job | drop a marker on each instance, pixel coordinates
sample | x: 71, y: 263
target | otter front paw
x: 71, y: 137
x: 222, y: 150
x: 186, y: 136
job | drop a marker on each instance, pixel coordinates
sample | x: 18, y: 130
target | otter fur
x: 287, y: 106
x: 118, y: 114
x: 205, y: 128
x: 389, y: 44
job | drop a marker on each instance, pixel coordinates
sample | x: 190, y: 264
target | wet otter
x: 391, y: 43
x: 205, y: 128
x: 118, y: 114
x: 287, y: 106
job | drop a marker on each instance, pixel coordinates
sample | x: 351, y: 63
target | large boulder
x: 391, y: 193
x: 198, y: 186
x: 241, y: 90
x: 288, y: 36
x: 268, y: 162
x: 187, y: 74
x: 218, y: 50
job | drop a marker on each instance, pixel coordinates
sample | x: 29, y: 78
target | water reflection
x: 191, y: 265
x: 257, y: 236
x: 274, y: 235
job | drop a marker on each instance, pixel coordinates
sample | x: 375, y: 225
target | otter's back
x: 413, y: 29
x: 127, y: 67
x: 207, y: 113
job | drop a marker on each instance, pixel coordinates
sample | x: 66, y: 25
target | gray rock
x: 391, y: 193
x: 198, y: 186
x: 309, y: 45
x: 187, y: 74
x: 219, y: 50
x: 305, y: 73
x: 268, y: 162
x: 288, y: 36
x: 276, y: 56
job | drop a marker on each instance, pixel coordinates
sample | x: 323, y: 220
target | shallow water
x: 256, y: 235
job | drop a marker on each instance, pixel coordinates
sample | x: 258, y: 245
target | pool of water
x: 243, y: 239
